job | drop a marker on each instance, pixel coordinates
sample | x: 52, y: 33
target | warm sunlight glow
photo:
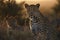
x: 38, y: 1
x: 42, y: 2
x: 34, y: 0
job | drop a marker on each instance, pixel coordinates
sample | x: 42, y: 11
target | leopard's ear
x: 38, y: 5
x: 26, y: 5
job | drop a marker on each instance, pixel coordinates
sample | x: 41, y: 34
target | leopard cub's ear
x: 38, y: 5
x: 26, y: 5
